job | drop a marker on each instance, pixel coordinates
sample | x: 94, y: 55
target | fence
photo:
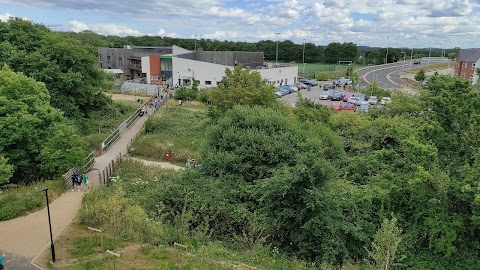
x: 87, y: 164
x: 117, y: 132
x: 106, y: 173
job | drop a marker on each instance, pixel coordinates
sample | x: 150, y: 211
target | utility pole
x: 276, y: 55
x: 52, y: 247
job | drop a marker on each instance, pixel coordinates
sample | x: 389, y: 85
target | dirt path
x: 163, y: 165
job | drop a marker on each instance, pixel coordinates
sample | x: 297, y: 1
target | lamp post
x: 49, y: 224
x: 411, y: 58
x: 303, y: 55
x: 403, y: 65
x: 386, y: 56
x: 276, y: 55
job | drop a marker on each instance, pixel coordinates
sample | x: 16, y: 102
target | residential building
x: 468, y: 60
x: 176, y: 66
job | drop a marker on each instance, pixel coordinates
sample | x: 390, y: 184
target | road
x: 387, y: 76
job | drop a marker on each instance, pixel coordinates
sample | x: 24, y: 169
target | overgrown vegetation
x: 390, y: 187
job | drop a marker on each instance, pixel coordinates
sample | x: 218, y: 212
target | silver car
x: 373, y: 100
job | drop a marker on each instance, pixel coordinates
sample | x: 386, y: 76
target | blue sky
x: 396, y: 23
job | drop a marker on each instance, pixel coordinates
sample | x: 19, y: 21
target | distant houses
x: 467, y: 62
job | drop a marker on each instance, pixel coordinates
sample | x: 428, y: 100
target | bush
x: 186, y: 93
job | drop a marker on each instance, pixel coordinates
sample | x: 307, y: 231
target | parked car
x: 337, y: 105
x: 416, y: 62
x: 326, y: 95
x: 355, y: 100
x: 328, y: 85
x: 293, y: 87
x: 361, y: 97
x: 309, y: 82
x: 349, y: 107
x: 300, y: 85
x: 279, y: 93
x: 364, y: 106
x: 347, y: 96
x: 337, y: 95
x: 342, y: 81
x: 385, y: 100
x: 286, y: 89
x: 373, y: 100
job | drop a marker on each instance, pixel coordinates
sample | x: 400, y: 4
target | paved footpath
x: 24, y: 238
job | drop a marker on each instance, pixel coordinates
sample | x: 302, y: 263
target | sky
x: 376, y: 23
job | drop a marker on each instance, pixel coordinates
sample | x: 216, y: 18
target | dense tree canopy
x: 64, y: 64
x: 35, y: 140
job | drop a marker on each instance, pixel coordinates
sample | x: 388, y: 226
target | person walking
x: 79, y: 182
x: 308, y: 87
x: 1, y: 261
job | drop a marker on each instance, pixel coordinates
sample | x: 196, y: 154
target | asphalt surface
x: 313, y: 95
x: 388, y: 75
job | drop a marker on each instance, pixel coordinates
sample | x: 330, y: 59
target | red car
x: 347, y: 96
x: 349, y: 107
x: 337, y: 105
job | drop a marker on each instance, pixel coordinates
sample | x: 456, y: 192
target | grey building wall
x: 111, y: 58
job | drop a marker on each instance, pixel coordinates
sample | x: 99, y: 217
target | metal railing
x: 118, y: 131
x: 105, y: 174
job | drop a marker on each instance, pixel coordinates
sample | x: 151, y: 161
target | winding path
x: 23, y: 239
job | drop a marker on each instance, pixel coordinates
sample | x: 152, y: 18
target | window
x: 100, y: 56
x: 208, y: 82
x: 108, y: 59
x: 286, y: 81
x: 120, y: 62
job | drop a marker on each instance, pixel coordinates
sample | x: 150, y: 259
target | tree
x: 242, y: 87
x: 420, y: 75
x: 385, y: 244
x: 65, y: 65
x: 34, y: 136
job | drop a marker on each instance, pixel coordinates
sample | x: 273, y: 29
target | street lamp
x: 303, y: 55
x: 49, y: 224
x: 403, y: 65
x: 411, y: 58
x: 195, y: 42
x: 386, y: 56
x: 276, y: 55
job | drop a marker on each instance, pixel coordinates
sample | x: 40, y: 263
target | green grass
x: 20, y: 200
x: 179, y: 130
x: 429, y: 68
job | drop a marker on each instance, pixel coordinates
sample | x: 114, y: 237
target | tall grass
x: 179, y: 130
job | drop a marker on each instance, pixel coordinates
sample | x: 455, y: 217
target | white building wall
x: 202, y: 71
x: 146, y: 67
x: 184, y: 69
x: 281, y: 75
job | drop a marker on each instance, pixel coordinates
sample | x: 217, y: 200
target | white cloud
x: 5, y: 17
x: 78, y: 26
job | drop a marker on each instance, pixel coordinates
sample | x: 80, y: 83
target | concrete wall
x: 115, y: 54
x: 178, y: 50
x: 146, y: 67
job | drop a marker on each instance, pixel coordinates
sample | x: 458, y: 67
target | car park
x: 364, y: 106
x: 373, y: 100
x: 385, y: 100
x: 326, y: 95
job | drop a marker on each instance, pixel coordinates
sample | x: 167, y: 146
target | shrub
x: 186, y: 93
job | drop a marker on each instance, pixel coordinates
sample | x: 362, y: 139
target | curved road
x: 388, y: 75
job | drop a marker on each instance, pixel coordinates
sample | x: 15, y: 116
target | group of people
x: 78, y: 179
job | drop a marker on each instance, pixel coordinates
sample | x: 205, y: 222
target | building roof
x: 469, y: 55
x: 114, y: 71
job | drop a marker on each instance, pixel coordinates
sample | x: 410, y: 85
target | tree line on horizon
x: 288, y: 51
